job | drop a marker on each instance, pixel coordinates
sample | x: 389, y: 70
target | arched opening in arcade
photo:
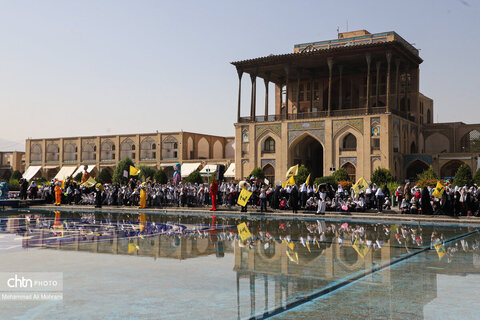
x: 269, y: 172
x: 351, y: 170
x: 449, y: 169
x: 415, y: 168
x: 308, y: 151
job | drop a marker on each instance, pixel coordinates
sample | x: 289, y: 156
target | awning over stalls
x: 230, y: 172
x: 188, y: 168
x: 167, y: 164
x: 208, y: 169
x: 65, y: 172
x: 49, y: 167
x: 31, y: 172
x: 81, y: 170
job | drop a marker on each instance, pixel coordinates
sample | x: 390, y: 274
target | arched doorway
x: 450, y: 169
x: 350, y: 168
x: 415, y: 168
x: 269, y: 172
x: 309, y: 152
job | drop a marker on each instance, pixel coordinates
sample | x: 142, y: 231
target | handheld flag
x: 243, y: 231
x: 360, y: 186
x: 307, y: 182
x: 134, y: 171
x: 439, y: 189
x: 289, y: 182
x: 293, y: 171
x: 89, y: 183
x: 243, y: 197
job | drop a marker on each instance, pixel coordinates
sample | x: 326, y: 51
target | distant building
x: 353, y: 103
x: 59, y: 157
x: 11, y: 161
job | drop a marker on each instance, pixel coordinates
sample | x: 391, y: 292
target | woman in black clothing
x: 293, y: 199
x: 426, y: 205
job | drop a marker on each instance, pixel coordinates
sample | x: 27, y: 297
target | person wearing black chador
x: 293, y: 199
x: 426, y: 205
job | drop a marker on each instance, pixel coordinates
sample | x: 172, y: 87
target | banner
x: 89, y: 183
x: 293, y: 171
x: 243, y: 197
x: 307, y: 182
x: 439, y: 189
x: 134, y: 171
x: 289, y: 182
x: 360, y: 186
x: 243, y: 231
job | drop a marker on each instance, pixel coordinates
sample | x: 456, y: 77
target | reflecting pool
x: 195, y: 266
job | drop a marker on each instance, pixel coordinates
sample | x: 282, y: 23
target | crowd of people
x: 411, y: 199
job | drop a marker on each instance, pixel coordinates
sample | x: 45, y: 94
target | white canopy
x: 31, y: 172
x: 188, y: 168
x: 81, y: 170
x: 230, y: 173
x: 208, y: 169
x: 65, y: 172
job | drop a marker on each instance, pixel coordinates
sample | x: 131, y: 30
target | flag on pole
x: 439, y: 189
x: 293, y: 171
x: 89, y: 183
x: 289, y: 182
x: 360, y: 186
x: 134, y: 171
x: 243, y: 197
x: 307, y: 182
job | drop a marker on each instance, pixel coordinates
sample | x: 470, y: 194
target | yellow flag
x: 243, y: 231
x: 134, y: 171
x: 89, y: 183
x: 307, y: 182
x: 243, y: 197
x: 289, y: 182
x: 293, y: 171
x: 439, y: 189
x: 293, y: 257
x: 361, y: 248
x: 440, y: 248
x: 360, y: 186
x: 132, y: 247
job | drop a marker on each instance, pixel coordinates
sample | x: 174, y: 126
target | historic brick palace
x: 352, y: 102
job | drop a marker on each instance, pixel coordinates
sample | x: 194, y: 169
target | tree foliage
x: 16, y: 175
x: 78, y: 177
x: 160, y: 176
x: 146, y: 172
x: 257, y: 173
x: 341, y: 175
x: 13, y: 185
x: 326, y: 179
x: 302, y: 175
x: 118, y: 176
x: 381, y: 176
x: 463, y: 176
x: 428, y: 174
x: 476, y: 177
x: 104, y: 176
x: 194, y: 177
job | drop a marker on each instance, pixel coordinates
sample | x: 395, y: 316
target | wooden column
x: 253, y: 78
x: 330, y: 69
x: 266, y: 80
x: 377, y: 83
x: 387, y: 102
x: 368, y: 57
x: 240, y: 73
x: 312, y: 91
x: 287, y: 75
x: 340, y: 93
x: 397, y: 78
x: 297, y: 98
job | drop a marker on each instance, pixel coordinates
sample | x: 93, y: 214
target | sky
x: 70, y: 68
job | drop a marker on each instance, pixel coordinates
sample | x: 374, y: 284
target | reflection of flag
x: 132, y: 247
x: 439, y: 189
x: 134, y: 171
x: 307, y: 182
x: 243, y: 197
x: 293, y: 171
x: 293, y: 256
x: 361, y: 248
x: 243, y: 231
x: 360, y: 186
x: 440, y: 250
x: 89, y: 183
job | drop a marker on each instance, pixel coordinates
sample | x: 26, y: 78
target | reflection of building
x: 48, y: 156
x: 352, y: 102
x: 11, y: 161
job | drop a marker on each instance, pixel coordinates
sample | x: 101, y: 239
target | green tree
x: 476, y: 177
x: 302, y: 175
x: 123, y: 165
x: 326, y: 179
x: 194, y: 177
x: 463, y: 176
x: 16, y: 175
x: 381, y: 176
x: 258, y: 173
x: 160, y: 176
x: 428, y: 174
x: 13, y: 185
x: 341, y: 175
x: 146, y: 172
x: 104, y: 176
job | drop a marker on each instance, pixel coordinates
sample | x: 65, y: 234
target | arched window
x: 413, y: 148
x: 89, y: 151
x: 36, y: 152
x: 70, y: 151
x: 349, y: 143
x: 269, y: 172
x: 127, y: 149
x: 107, y: 150
x: 52, y: 152
x: 269, y: 145
x: 147, y: 149
x: 170, y: 148
x: 351, y: 170
x: 470, y: 142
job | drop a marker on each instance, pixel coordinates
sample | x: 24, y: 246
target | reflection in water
x: 284, y: 260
